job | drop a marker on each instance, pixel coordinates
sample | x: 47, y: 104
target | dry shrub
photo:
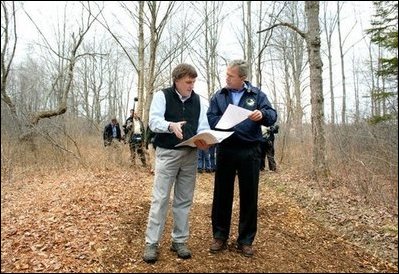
x: 360, y: 157
x: 365, y: 159
x: 58, y: 145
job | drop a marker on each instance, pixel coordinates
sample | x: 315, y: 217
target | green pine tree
x: 384, y: 33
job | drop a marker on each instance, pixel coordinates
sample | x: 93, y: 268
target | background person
x: 134, y: 130
x: 204, y: 161
x: 267, y: 148
x: 112, y: 137
x: 112, y: 132
x: 212, y: 157
x: 238, y: 155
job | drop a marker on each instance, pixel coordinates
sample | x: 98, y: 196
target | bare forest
x: 69, y: 204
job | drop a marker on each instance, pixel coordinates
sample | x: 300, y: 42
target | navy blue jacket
x: 247, y: 131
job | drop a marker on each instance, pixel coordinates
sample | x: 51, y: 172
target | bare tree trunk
x: 329, y: 27
x: 372, y: 82
x: 155, y: 36
x: 249, y: 46
x: 258, y: 70
x: 6, y: 61
x: 343, y: 113
x: 263, y: 39
x: 207, y: 34
x: 212, y: 32
x: 316, y: 86
x: 356, y: 89
x: 141, y: 66
x: 312, y: 38
x: 296, y: 60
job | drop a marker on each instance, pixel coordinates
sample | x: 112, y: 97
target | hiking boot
x: 246, y: 250
x: 150, y: 253
x: 218, y: 245
x: 181, y: 249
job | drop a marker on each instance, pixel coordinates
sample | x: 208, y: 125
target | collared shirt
x: 157, y: 121
x: 114, y: 133
x: 237, y: 94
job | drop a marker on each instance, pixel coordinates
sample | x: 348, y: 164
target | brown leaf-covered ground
x: 94, y: 221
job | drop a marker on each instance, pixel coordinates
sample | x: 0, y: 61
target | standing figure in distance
x: 238, y: 155
x: 112, y: 132
x: 267, y: 147
x: 212, y: 156
x: 134, y: 130
x: 177, y: 113
x: 204, y: 161
x: 112, y: 137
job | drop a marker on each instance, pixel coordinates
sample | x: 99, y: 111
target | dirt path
x: 95, y: 222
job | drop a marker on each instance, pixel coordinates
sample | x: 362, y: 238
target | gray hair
x: 242, y: 67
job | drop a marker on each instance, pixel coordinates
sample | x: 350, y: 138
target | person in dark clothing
x: 267, y: 148
x: 238, y: 155
x: 112, y: 132
x: 112, y: 141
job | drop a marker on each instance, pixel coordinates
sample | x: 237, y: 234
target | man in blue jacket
x: 238, y: 155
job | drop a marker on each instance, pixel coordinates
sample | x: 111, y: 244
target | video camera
x: 274, y: 129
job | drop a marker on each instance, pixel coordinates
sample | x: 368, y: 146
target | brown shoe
x: 246, y: 250
x: 218, y: 245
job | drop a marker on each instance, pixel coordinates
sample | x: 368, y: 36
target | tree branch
x: 301, y: 33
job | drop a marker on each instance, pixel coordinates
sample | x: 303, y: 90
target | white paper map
x: 209, y: 136
x: 232, y: 116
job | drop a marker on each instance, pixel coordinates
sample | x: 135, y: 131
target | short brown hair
x: 183, y: 70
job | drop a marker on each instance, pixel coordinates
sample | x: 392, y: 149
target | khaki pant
x: 176, y: 168
x: 150, y: 153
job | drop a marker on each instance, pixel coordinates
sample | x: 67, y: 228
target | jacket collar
x: 247, y: 86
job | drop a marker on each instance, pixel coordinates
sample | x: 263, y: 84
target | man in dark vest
x: 177, y: 113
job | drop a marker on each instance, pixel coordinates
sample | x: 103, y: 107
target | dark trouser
x: 262, y: 155
x: 137, y: 148
x: 270, y: 156
x: 243, y: 161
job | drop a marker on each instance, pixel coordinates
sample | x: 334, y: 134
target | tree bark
x: 316, y: 86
